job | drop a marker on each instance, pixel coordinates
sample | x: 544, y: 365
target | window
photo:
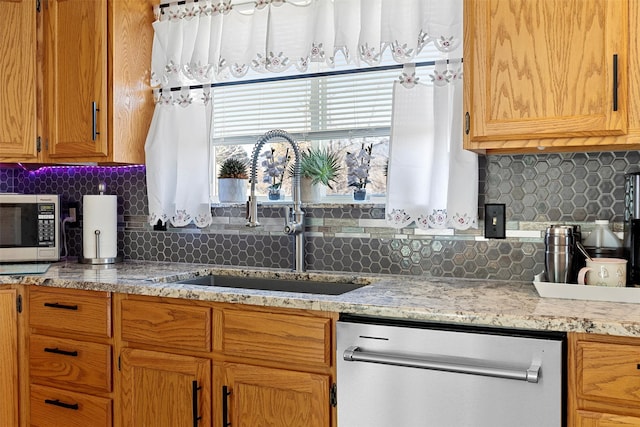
x: 340, y: 112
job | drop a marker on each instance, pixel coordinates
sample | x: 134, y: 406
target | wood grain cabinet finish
x: 71, y: 311
x: 537, y: 71
x: 18, y: 65
x: 98, y: 99
x: 52, y: 407
x: 70, y: 357
x: 75, y: 80
x: 259, y: 396
x: 9, y: 386
x: 276, y: 337
x: 75, y: 58
x: 604, y: 380
x: 165, y: 390
x: 174, y: 326
x: 70, y: 363
x: 252, y: 366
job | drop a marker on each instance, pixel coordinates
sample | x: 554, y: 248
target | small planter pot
x: 311, y: 193
x: 274, y: 194
x: 232, y: 190
x: 360, y: 194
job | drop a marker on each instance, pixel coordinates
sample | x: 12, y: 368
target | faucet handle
x: 288, y: 215
x: 291, y: 227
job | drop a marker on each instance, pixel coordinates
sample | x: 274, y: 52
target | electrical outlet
x: 71, y: 210
x: 494, y: 221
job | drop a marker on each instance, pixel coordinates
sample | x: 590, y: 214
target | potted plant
x: 232, y: 181
x: 358, y: 165
x: 274, y: 170
x: 319, y: 167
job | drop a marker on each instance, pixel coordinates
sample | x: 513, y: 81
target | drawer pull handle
x: 194, y: 401
x: 57, y: 402
x: 61, y: 306
x: 62, y: 352
x: 225, y: 406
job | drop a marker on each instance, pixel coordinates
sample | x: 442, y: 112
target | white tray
x: 584, y: 292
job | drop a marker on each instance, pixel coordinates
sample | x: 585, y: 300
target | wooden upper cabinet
x: 76, y: 78
x: 98, y: 102
x: 18, y: 131
x: 537, y: 69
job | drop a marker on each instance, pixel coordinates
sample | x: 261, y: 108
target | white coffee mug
x: 604, y: 272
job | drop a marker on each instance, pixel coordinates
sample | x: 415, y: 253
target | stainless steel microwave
x: 29, y: 227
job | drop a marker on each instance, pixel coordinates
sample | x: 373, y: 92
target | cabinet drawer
x: 85, y: 312
x: 608, y: 371
x: 598, y: 419
x: 59, y: 408
x: 277, y: 337
x: 70, y: 364
x: 167, y: 325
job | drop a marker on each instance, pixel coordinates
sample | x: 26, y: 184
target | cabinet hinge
x: 38, y: 5
x: 38, y: 144
x: 19, y: 303
x: 333, y: 395
x: 119, y: 363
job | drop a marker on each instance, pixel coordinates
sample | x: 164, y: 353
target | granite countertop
x: 451, y: 300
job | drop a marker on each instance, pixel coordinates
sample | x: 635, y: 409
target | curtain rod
x: 302, y: 76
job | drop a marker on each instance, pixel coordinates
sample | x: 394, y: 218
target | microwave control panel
x: 46, y: 224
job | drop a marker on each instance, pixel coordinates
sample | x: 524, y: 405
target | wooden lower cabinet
x: 603, y: 381
x: 9, y: 385
x: 163, y: 389
x: 259, y: 396
x: 70, y: 358
x: 194, y: 363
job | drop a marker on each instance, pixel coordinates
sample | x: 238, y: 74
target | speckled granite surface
x: 464, y: 301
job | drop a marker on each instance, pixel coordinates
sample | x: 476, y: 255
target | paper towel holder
x: 98, y: 260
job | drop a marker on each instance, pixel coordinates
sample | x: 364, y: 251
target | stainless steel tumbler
x: 558, y: 256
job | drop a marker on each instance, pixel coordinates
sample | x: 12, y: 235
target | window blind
x: 327, y: 107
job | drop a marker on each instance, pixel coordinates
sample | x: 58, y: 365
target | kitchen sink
x: 270, y: 284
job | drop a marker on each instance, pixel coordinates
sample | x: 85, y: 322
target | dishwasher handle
x: 355, y: 354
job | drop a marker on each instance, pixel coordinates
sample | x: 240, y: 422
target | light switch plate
x: 494, y: 221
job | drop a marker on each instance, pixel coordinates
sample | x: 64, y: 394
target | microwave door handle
x: 355, y: 354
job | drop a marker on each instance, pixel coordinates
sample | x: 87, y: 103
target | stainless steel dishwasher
x: 410, y: 374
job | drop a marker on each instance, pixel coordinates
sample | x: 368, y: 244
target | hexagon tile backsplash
x: 537, y: 190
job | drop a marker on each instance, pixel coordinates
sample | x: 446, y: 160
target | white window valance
x: 213, y: 40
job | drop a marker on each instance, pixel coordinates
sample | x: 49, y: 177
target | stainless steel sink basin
x: 282, y: 285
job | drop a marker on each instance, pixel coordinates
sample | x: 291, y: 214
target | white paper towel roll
x: 100, y: 214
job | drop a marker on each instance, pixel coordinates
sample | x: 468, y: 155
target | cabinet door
x: 544, y: 69
x: 8, y: 358
x: 76, y: 79
x: 161, y: 389
x: 271, y: 397
x: 18, y: 80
